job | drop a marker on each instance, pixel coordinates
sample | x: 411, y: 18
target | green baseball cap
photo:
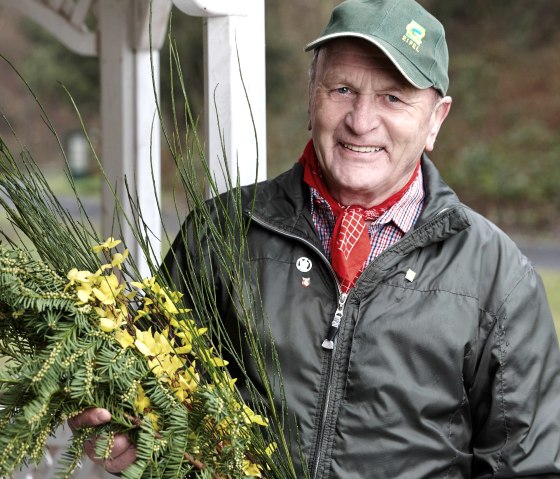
x: 412, y: 38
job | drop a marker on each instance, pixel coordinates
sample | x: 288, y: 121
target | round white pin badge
x: 304, y: 264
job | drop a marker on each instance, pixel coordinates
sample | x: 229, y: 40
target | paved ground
x: 542, y: 255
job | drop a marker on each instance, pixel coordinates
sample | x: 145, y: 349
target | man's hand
x: 123, y: 453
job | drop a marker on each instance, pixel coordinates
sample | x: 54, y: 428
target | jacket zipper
x: 329, y: 343
x: 331, y: 335
x: 333, y: 330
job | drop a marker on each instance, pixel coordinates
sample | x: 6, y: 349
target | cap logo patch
x: 414, y: 35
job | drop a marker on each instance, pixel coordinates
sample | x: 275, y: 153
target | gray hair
x: 313, y: 68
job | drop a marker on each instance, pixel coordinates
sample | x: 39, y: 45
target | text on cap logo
x: 414, y: 35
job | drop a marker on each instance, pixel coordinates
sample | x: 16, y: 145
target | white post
x: 235, y: 113
x: 130, y: 125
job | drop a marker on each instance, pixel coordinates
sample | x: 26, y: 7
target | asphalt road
x: 543, y: 256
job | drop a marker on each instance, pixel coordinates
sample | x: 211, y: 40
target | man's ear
x: 438, y: 116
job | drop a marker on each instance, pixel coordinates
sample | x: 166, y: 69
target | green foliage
x: 551, y: 280
x: 513, y: 177
x: 64, y: 357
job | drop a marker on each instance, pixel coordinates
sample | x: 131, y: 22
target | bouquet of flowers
x: 74, y: 342
x: 79, y: 328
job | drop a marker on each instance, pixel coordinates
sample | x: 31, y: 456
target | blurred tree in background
x: 499, y: 148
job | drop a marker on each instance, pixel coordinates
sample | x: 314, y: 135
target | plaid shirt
x: 383, y: 233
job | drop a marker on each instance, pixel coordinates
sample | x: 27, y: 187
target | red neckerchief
x: 350, y: 244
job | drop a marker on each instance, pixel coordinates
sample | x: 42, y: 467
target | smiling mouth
x: 363, y: 149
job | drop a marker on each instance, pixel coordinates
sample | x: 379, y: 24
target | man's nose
x: 364, y: 115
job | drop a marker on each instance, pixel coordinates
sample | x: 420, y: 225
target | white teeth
x: 363, y: 149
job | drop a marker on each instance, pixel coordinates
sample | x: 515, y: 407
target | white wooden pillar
x: 131, y: 129
x: 234, y: 50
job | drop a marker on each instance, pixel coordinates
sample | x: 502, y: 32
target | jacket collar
x: 284, y: 204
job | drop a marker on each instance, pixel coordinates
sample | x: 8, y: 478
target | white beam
x: 80, y: 12
x: 214, y: 8
x: 234, y: 50
x: 159, y: 23
x: 127, y: 115
x: 75, y: 39
x: 67, y: 8
x: 56, y: 4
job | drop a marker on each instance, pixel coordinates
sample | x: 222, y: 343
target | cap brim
x: 407, y: 68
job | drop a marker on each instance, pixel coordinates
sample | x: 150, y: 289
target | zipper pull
x: 333, y: 330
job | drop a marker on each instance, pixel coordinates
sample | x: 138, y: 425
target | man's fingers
x: 121, y: 444
x: 89, y: 449
x: 89, y: 418
x: 123, y: 453
x: 119, y: 463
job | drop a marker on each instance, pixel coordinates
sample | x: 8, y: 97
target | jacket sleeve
x: 515, y: 398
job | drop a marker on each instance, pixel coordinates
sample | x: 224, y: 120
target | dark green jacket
x: 451, y: 372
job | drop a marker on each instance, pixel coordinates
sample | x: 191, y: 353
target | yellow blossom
x: 251, y: 417
x: 152, y: 344
x: 118, y: 259
x: 153, y: 418
x: 109, y: 243
x: 110, y: 318
x: 184, y: 349
x: 142, y: 401
x: 79, y: 276
x: 218, y: 362
x: 251, y: 469
x: 107, y: 289
x: 137, y: 285
x: 187, y: 383
x: 168, y: 304
x: 124, y: 338
x: 84, y: 292
x: 271, y: 448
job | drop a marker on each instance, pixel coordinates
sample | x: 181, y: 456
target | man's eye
x: 393, y: 99
x: 343, y: 90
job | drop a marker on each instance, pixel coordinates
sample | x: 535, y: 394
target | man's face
x: 369, y: 125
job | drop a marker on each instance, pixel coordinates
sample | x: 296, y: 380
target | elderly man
x: 414, y: 338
